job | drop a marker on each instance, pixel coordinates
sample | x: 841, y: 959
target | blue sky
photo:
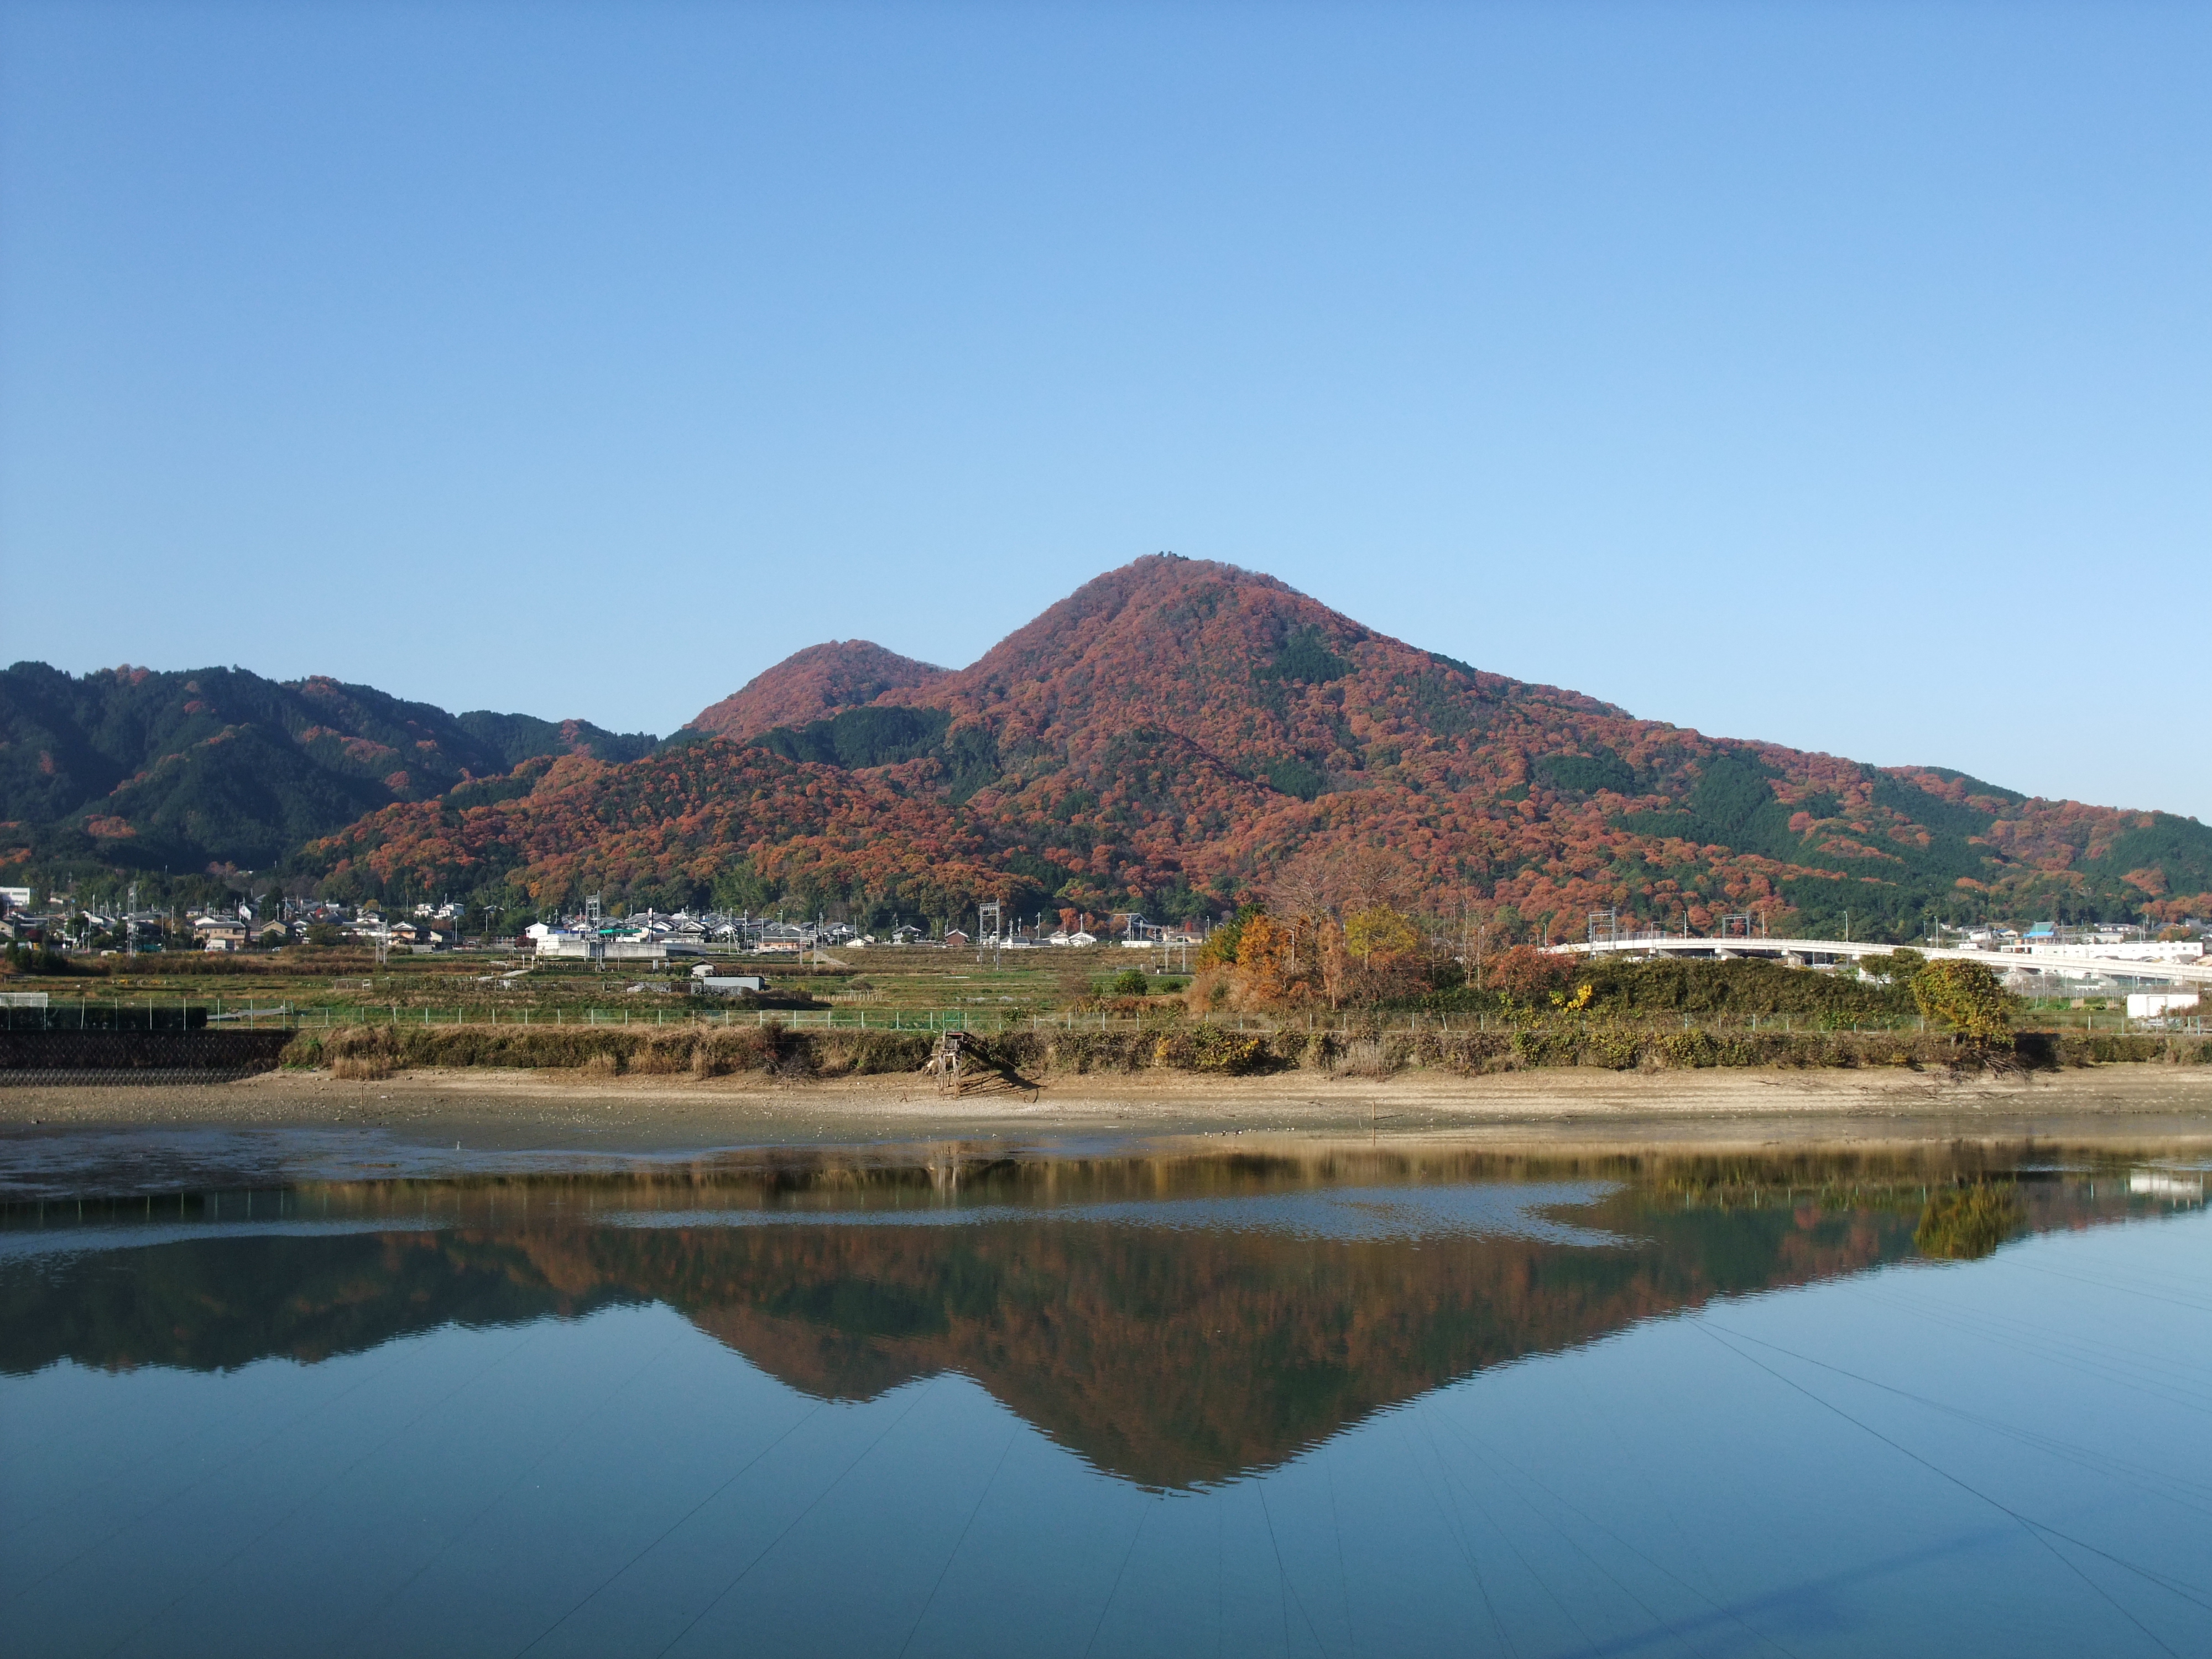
x: 1839, y: 375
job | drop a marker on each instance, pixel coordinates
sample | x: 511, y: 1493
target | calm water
x: 1373, y: 1405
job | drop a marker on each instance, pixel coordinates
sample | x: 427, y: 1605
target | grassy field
x: 900, y: 987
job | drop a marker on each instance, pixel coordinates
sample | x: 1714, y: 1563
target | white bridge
x: 2045, y: 960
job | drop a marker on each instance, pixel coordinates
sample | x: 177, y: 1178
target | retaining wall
x: 122, y: 1056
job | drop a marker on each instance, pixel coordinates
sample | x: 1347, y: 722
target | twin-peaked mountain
x: 1175, y: 733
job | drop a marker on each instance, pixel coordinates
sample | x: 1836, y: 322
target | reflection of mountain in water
x: 1173, y: 1322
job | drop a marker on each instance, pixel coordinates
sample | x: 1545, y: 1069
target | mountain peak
x: 812, y: 684
x: 1254, y: 672
x: 1177, y: 734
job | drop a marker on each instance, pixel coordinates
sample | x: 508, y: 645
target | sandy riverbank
x: 548, y: 1109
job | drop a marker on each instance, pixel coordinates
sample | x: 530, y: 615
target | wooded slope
x: 132, y: 768
x: 1178, y: 734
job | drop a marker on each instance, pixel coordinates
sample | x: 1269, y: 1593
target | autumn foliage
x: 1526, y: 977
x: 1180, y: 738
x: 1965, y: 997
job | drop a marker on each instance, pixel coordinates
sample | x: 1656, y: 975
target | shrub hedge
x: 1196, y: 1046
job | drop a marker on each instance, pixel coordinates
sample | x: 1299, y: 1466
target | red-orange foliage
x: 811, y: 684
x: 1527, y: 975
x: 1157, y: 731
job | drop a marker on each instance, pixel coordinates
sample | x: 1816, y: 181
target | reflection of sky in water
x: 2006, y: 1456
x: 1347, y: 1214
x: 1379, y: 1213
x: 75, y: 1241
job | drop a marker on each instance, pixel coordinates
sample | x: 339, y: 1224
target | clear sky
x: 1840, y: 375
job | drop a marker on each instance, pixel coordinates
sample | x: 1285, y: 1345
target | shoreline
x: 661, y: 1115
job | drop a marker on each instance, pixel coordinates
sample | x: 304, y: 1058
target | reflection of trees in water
x: 1967, y: 1221
x: 1168, y: 1355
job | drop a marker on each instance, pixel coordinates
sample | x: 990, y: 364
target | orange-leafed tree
x: 1525, y: 976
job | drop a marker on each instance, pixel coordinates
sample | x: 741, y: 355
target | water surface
x: 961, y: 1403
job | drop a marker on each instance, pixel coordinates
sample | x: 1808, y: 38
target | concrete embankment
x: 127, y: 1056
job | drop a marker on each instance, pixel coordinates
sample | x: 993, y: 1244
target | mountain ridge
x: 146, y: 769
x: 1176, y: 734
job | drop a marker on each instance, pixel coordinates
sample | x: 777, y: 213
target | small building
x: 2157, y: 1005
x: 783, y: 937
x: 729, y: 985
x: 220, y: 933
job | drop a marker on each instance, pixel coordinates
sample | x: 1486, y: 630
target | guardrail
x: 2043, y: 962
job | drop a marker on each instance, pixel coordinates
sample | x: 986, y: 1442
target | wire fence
x: 150, y: 1014
x: 158, y: 1014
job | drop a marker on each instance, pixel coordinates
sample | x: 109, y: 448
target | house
x: 956, y: 940
x: 219, y: 933
x: 682, y: 934
x: 273, y: 933
x: 783, y: 938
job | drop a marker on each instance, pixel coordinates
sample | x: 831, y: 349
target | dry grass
x: 1363, y: 1057
x: 1204, y: 1046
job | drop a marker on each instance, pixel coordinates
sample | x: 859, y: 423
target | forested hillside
x: 810, y: 685
x: 132, y: 768
x: 1177, y: 736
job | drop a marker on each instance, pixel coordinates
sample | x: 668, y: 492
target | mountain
x: 808, y: 685
x: 1178, y: 734
x: 132, y: 768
